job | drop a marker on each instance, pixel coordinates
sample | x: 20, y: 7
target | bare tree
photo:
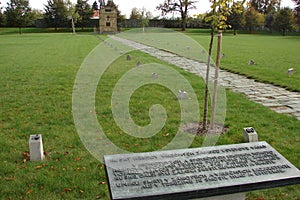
x: 181, y: 6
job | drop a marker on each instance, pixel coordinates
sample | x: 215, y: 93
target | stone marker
x: 251, y: 62
x: 198, y: 172
x: 36, y: 149
x: 182, y: 95
x: 250, y: 135
x: 138, y: 64
x: 128, y: 58
x: 154, y: 75
x: 290, y: 71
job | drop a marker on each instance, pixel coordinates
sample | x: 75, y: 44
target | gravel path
x: 276, y: 98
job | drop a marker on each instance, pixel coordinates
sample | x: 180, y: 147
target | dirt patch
x: 197, y: 129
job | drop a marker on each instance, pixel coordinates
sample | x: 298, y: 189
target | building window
x: 107, y: 23
x: 107, y: 9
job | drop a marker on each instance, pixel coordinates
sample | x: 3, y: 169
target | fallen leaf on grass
x: 26, y: 155
x: 12, y: 178
x: 51, y: 168
x: 66, y: 190
x: 77, y: 159
x: 40, y: 166
x: 101, y: 183
x: 98, y: 197
x: 81, y: 191
x: 29, y: 192
x: 57, y: 159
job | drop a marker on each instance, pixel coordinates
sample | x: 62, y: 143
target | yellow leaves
x: 10, y: 178
x: 39, y: 166
x: 77, y: 159
x: 66, y: 190
x: 101, y: 183
x: 29, y: 192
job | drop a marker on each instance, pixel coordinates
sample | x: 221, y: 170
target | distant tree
x: 18, y: 14
x: 236, y: 19
x: 2, y: 17
x: 269, y: 21
x: 284, y: 20
x: 218, y: 21
x: 95, y: 6
x: 84, y: 11
x: 72, y: 15
x: 144, y: 18
x: 265, y: 6
x: 181, y: 6
x: 297, y: 12
x: 56, y: 13
x: 253, y: 19
x: 135, y: 13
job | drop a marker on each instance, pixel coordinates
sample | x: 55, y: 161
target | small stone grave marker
x: 128, y: 58
x: 251, y: 62
x: 182, y: 94
x: 138, y: 64
x: 154, y: 75
x: 36, y: 149
x: 250, y: 135
x: 198, y: 172
x: 290, y: 71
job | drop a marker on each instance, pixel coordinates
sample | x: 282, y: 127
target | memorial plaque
x: 198, y: 172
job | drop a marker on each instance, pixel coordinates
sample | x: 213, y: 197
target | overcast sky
x: 125, y: 6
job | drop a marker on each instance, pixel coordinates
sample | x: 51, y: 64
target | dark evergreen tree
x: 18, y: 14
x: 297, y: 12
x: 84, y: 11
x: 56, y: 14
x: 2, y: 17
x: 95, y: 6
x: 284, y: 20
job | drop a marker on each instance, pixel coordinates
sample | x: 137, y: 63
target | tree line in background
x: 247, y: 15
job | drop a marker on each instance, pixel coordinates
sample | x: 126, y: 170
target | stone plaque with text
x: 198, y: 172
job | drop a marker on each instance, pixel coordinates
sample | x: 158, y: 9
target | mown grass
x: 273, y: 56
x: 37, y: 77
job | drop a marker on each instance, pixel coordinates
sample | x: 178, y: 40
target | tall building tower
x: 108, y: 18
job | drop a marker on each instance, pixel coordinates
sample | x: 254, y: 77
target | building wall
x: 108, y: 20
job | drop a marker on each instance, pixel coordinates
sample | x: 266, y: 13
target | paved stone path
x: 276, y: 98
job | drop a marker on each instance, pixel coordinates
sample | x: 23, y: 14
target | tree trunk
x: 204, y: 122
x: 217, y: 69
x: 183, y: 20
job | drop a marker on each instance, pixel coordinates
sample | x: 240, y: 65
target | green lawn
x: 37, y: 76
x: 273, y: 56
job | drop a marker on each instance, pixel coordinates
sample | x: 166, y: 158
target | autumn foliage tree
x: 236, y: 19
x: 218, y: 21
